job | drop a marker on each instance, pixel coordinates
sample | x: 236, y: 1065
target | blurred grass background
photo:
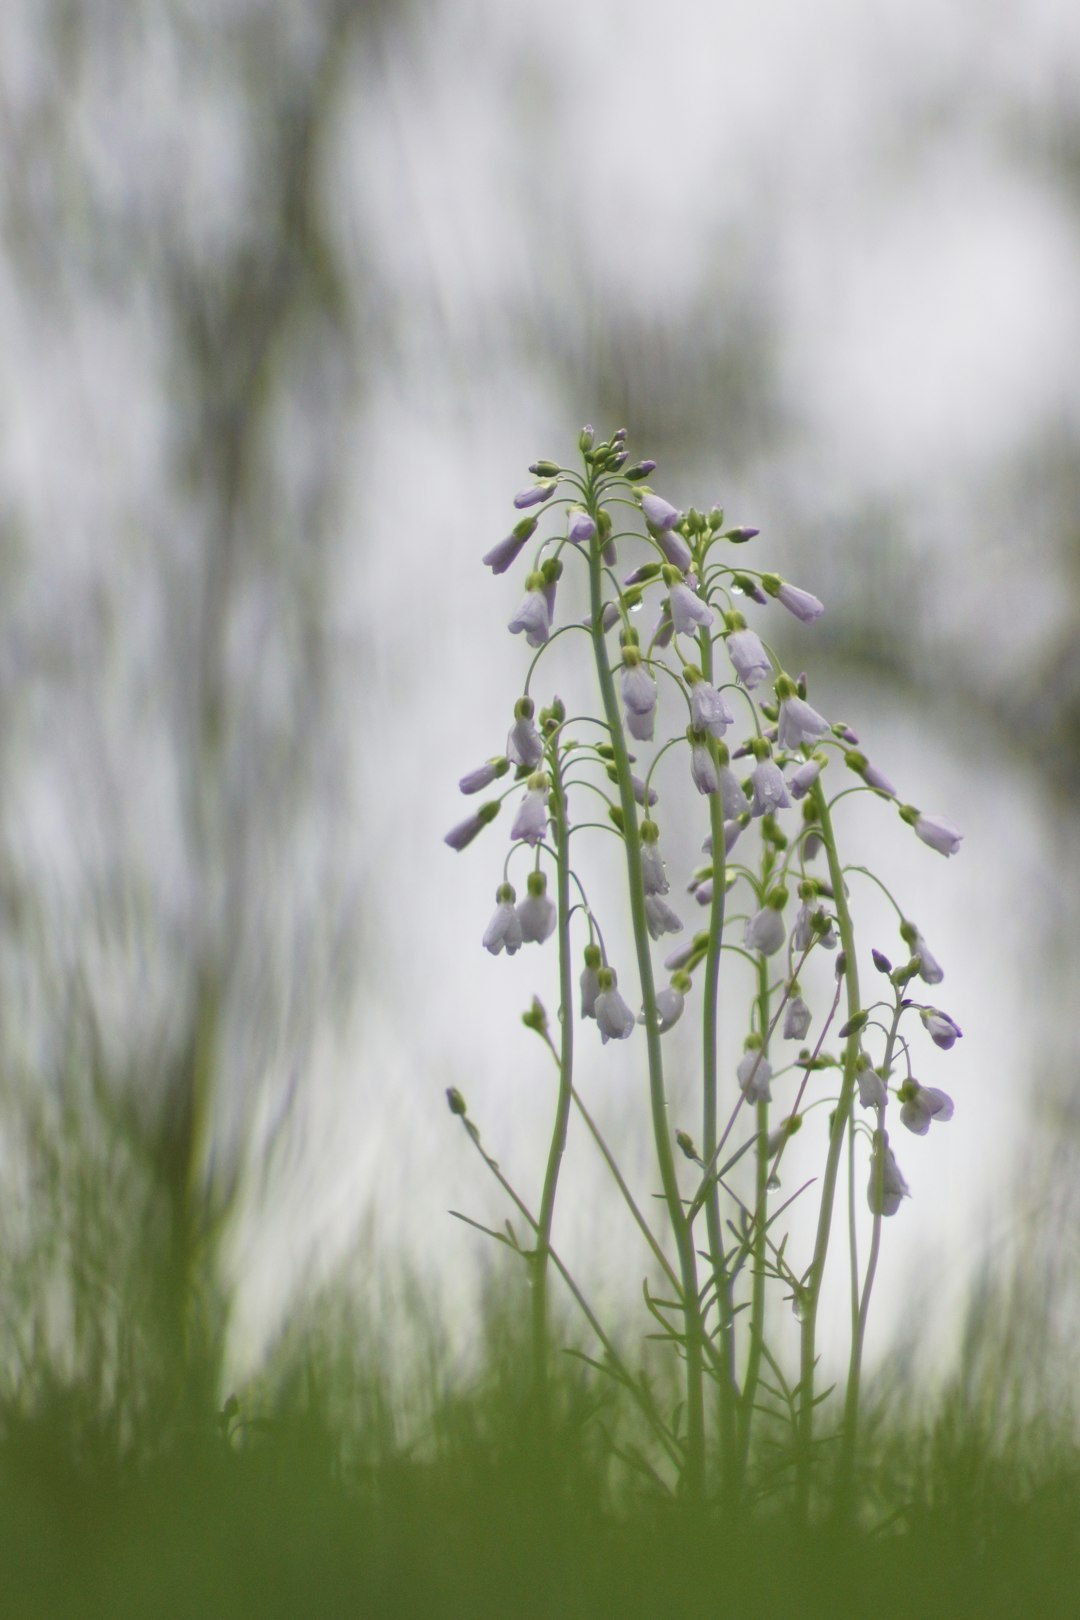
x: 288, y: 298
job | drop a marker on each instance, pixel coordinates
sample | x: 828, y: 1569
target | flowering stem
x: 694, y: 1476
x: 757, y: 1298
x: 849, y: 1434
x: 710, y: 1035
x: 562, y: 1107
x: 841, y: 1116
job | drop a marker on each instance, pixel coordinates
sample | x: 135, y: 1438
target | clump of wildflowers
x: 753, y: 766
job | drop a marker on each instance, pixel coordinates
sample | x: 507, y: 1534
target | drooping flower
x: 877, y: 780
x: 675, y: 549
x: 523, y: 744
x: 872, y: 1092
x: 669, y: 1008
x: 685, y: 954
x: 659, y: 514
x: 942, y: 1030
x: 708, y: 709
x: 921, y: 1105
x: 802, y: 780
x: 765, y: 931
x: 536, y: 493
x: 506, y: 553
x: 533, y: 615
x: 887, y: 1186
x: 799, y: 723
x: 636, y: 684
x: 652, y: 862
x: 930, y: 969
x: 805, y: 932
x: 590, y: 981
x: 938, y: 833
x: 462, y: 835
x: 688, y: 612
x: 641, y: 726
x: 581, y: 527
x: 504, y: 929
x: 800, y: 603
x: 484, y: 775
x: 659, y: 917
x: 644, y: 795
x: 749, y: 659
x: 769, y: 788
x: 530, y: 823
x: 536, y: 913
x: 754, y: 1073
x: 703, y: 766
x: 614, y: 1019
x: 796, y: 1019
x: 734, y: 800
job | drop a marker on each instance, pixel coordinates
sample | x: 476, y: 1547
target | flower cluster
x: 699, y: 678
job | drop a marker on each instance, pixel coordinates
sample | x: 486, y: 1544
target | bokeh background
x: 289, y: 298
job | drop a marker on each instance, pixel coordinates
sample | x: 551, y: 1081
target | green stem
x: 849, y: 1434
x: 728, y: 1392
x: 694, y: 1478
x: 757, y: 1296
x: 841, y: 1117
x: 562, y: 1108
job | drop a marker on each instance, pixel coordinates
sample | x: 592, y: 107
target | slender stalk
x: 562, y: 1107
x: 728, y: 1392
x: 757, y: 1294
x: 812, y: 1283
x: 849, y: 1434
x: 694, y: 1480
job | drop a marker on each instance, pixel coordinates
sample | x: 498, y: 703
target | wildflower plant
x: 759, y: 760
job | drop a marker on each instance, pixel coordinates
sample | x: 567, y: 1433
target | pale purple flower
x: 609, y: 616
x: 796, y: 1019
x: 506, y: 553
x: 661, y: 636
x: 872, y: 1093
x: 749, y: 659
x: 709, y: 710
x: 535, y: 493
x: 685, y: 953
x: 754, y: 1074
x: 703, y: 892
x: 613, y: 1017
x: 669, y: 1008
x: 801, y: 603
x: 590, y: 981
x: 463, y: 834
x: 942, y: 1030
x: 659, y: 514
x: 659, y: 917
x: 703, y: 769
x: 877, y: 780
x: 652, y: 869
x: 688, y: 612
x: 644, y: 795
x: 938, y: 833
x: 530, y: 823
x: 734, y: 801
x: 765, y: 931
x: 930, y: 969
x: 504, y: 929
x: 886, y: 1186
x: 637, y: 686
x: 921, y: 1105
x: 641, y: 726
x: 483, y: 776
x: 675, y: 549
x: 581, y: 528
x: 523, y: 744
x: 536, y: 913
x: 533, y: 615
x: 804, y: 933
x: 799, y: 723
x: 770, y: 790
x: 802, y: 780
